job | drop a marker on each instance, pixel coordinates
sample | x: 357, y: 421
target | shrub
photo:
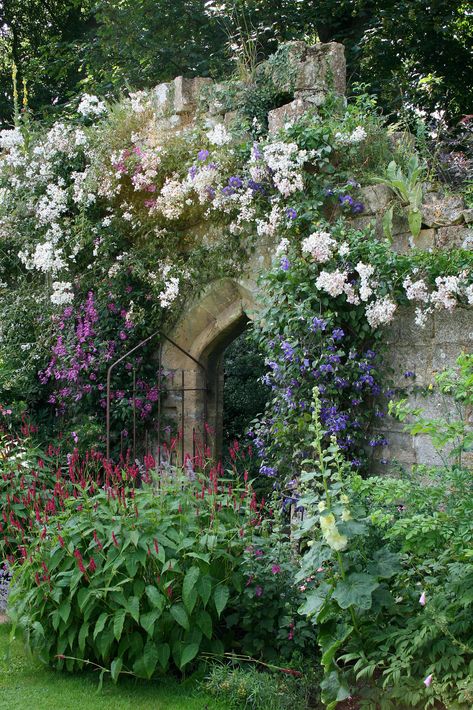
x: 266, y: 623
x: 35, y: 485
x: 135, y: 581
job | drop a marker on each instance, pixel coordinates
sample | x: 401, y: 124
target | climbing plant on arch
x: 114, y: 222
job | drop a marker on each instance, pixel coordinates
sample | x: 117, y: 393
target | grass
x: 27, y: 685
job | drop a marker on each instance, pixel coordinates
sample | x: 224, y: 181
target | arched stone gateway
x: 205, y: 330
x: 218, y: 316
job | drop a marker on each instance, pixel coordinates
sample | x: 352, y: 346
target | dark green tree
x: 405, y: 51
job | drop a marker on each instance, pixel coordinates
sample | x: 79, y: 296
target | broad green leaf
x: 83, y: 596
x: 315, y: 600
x: 180, y: 615
x: 414, y: 217
x: 155, y: 597
x: 334, y: 689
x: 189, y: 592
x: 65, y: 610
x: 387, y: 224
x: 104, y: 642
x: 355, y: 590
x: 385, y: 563
x: 204, y: 622
x: 148, y: 620
x: 55, y: 619
x: 164, y: 652
x: 189, y: 652
x: 133, y: 607
x: 83, y: 633
x: 204, y: 588
x: 221, y: 595
x: 150, y: 658
x: 100, y: 624
x: 118, y: 621
x: 330, y: 641
x: 115, y: 668
x: 138, y: 588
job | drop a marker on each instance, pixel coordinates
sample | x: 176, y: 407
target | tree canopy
x: 405, y: 51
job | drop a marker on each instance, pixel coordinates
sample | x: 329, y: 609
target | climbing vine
x: 112, y: 221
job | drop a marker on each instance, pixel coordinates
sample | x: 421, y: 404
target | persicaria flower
x: 92, y: 565
x: 258, y: 591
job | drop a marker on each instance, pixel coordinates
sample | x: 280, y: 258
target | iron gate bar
x: 182, y: 389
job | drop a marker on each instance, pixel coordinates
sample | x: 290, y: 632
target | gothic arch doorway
x: 204, y: 332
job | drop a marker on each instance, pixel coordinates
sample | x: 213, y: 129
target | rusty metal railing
x: 182, y: 390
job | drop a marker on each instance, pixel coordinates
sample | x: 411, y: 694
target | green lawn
x: 26, y: 685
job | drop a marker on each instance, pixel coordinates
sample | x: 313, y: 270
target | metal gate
x: 156, y: 440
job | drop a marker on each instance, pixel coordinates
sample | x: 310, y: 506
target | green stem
x: 343, y: 575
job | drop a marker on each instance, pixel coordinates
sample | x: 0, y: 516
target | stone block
x: 324, y: 69
x: 454, y: 328
x: 451, y: 237
x: 467, y: 216
x: 163, y: 94
x: 425, y: 452
x: 440, y: 211
x: 400, y: 448
x: 278, y: 117
x: 425, y: 241
x: 404, y: 331
x: 376, y: 198
x: 291, y: 54
x: 402, y: 359
x: 362, y: 222
x: 183, y: 100
x: 445, y: 356
x: 402, y: 243
x: 467, y: 460
x: 400, y: 223
x: 435, y: 405
x: 230, y: 118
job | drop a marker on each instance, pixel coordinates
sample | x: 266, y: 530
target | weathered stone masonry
x: 210, y: 324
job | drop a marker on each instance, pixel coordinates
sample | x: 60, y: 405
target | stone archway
x: 205, y: 330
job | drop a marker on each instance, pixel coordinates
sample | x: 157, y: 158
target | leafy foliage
x: 134, y: 582
x: 62, y: 48
x: 390, y: 588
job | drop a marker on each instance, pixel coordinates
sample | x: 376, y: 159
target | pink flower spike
x: 422, y: 599
x: 428, y: 680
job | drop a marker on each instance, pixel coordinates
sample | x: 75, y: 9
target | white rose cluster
x: 90, y: 105
x: 62, y: 293
x: 353, y: 138
x: 320, y: 246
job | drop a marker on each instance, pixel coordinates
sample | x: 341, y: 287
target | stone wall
x: 213, y: 321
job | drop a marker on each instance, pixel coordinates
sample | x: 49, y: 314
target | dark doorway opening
x: 244, y: 395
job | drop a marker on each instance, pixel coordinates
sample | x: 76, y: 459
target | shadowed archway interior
x: 204, y: 332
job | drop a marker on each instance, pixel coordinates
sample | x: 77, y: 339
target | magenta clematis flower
x: 258, y: 591
x: 275, y: 569
x: 422, y: 599
x: 428, y: 680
